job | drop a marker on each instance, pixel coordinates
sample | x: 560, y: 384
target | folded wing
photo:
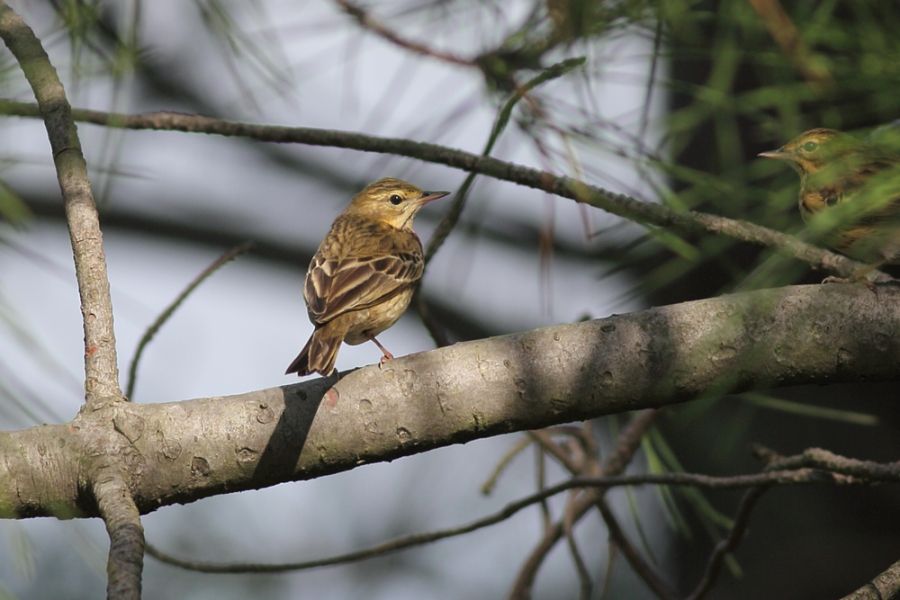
x: 337, y: 286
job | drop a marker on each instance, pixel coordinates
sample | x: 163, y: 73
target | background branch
x: 580, y: 506
x: 618, y: 204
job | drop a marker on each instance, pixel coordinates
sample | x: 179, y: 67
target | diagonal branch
x: 725, y: 546
x: 368, y: 22
x: 101, y: 372
x: 885, y: 585
x: 621, y: 205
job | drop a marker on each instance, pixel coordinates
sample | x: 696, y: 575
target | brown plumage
x: 363, y: 275
x: 836, y: 168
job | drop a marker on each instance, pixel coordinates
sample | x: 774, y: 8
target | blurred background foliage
x: 672, y: 103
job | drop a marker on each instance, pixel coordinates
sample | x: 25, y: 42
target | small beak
x: 431, y: 197
x: 779, y: 154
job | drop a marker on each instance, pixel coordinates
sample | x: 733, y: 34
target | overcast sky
x: 242, y: 327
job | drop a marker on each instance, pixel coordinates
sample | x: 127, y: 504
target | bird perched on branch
x: 860, y: 180
x: 363, y: 275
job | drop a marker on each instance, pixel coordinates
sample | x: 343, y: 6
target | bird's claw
x: 384, y: 359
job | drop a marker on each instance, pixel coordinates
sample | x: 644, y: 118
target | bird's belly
x: 371, y: 321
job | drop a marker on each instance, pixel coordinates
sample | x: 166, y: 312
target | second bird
x: 363, y: 275
x: 836, y: 168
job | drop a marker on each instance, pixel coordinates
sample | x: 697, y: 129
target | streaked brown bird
x: 363, y: 275
x: 838, y: 169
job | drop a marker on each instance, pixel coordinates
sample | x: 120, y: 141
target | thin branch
x: 488, y: 486
x: 618, y: 204
x: 641, y: 567
x: 521, y: 589
x: 369, y: 23
x: 101, y: 371
x: 627, y: 444
x: 449, y: 221
x: 126, y: 535
x: 725, y: 546
x: 801, y: 476
x: 540, y: 478
x: 584, y: 575
x: 173, y: 306
x: 819, y: 458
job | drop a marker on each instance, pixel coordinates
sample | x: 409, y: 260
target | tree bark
x: 179, y: 452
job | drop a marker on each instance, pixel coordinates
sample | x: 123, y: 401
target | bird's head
x: 391, y: 201
x: 813, y: 149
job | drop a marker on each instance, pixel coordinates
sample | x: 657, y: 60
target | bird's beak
x: 431, y: 197
x: 779, y: 154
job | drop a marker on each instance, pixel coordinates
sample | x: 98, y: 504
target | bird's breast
x: 371, y: 321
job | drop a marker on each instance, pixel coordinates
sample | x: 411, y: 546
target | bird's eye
x: 396, y: 199
x: 809, y: 146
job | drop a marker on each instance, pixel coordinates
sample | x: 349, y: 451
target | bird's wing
x: 335, y: 286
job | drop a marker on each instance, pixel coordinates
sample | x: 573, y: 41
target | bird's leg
x: 862, y: 276
x: 387, y: 354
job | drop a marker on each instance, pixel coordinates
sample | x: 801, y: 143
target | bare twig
x: 584, y: 575
x: 641, y: 567
x: 627, y: 445
x: 802, y: 476
x: 618, y: 204
x: 449, y: 221
x: 818, y: 458
x: 172, y: 307
x: 101, y: 371
x: 628, y: 442
x: 540, y: 477
x: 488, y: 486
x: 370, y: 23
x: 717, y: 558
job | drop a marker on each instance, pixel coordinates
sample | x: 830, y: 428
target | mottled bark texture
x: 885, y: 586
x: 183, y: 451
x: 101, y: 371
x: 93, y: 464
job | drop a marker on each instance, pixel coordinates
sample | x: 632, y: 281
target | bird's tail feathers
x: 319, y: 353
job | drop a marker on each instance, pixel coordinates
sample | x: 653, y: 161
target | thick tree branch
x: 183, y: 451
x: 101, y: 372
x: 885, y: 586
x: 618, y: 204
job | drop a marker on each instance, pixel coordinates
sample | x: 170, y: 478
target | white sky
x: 245, y: 324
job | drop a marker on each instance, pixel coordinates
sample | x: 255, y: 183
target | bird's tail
x: 319, y: 353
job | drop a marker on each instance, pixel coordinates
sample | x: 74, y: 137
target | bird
x: 836, y: 169
x: 362, y: 277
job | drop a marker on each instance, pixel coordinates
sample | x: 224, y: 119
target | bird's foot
x: 386, y: 354
x: 836, y: 279
x: 853, y: 279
